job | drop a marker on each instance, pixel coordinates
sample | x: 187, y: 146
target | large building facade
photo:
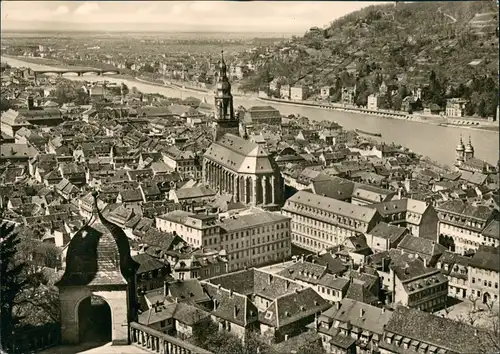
x: 320, y: 222
x: 233, y: 165
x: 250, y: 238
x: 243, y: 169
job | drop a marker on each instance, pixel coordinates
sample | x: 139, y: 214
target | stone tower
x: 225, y: 120
x: 97, y: 289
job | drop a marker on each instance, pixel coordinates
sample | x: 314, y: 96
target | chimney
x: 165, y: 288
x: 337, y: 304
x: 30, y: 103
x: 269, y: 278
x: 215, y: 304
x: 231, y: 293
x: 425, y: 262
x: 286, y: 337
x: 235, y: 311
x: 287, y: 284
x: 302, y: 259
x: 383, y: 309
x: 361, y: 312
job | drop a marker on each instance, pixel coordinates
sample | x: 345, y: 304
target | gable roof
x: 360, y: 314
x: 293, y: 307
x: 230, y: 305
x: 438, y: 331
x: 239, y: 155
x: 387, y: 231
x: 330, y: 205
x: 147, y: 263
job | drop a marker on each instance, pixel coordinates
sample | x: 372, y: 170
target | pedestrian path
x: 106, y: 348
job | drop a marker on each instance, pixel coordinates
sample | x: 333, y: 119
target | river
x: 433, y: 141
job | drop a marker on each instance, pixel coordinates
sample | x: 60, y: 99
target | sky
x: 241, y: 16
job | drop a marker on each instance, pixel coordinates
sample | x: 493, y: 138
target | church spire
x: 225, y: 119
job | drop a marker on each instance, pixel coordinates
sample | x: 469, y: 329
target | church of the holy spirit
x: 233, y: 165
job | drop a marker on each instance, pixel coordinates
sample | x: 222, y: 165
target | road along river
x: 433, y: 141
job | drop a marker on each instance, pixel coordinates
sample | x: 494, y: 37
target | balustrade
x: 158, y: 342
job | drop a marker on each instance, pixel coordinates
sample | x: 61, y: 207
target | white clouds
x: 177, y: 9
x: 203, y: 6
x: 61, y: 10
x: 87, y: 8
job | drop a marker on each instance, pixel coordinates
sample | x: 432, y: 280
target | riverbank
x: 171, y: 86
x: 425, y: 139
x: 440, y: 121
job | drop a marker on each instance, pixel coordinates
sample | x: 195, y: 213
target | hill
x: 455, y: 43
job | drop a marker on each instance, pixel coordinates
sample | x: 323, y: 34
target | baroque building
x: 465, y: 161
x: 233, y: 165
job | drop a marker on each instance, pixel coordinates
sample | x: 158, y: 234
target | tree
x: 469, y: 109
x: 397, y: 101
x: 403, y: 91
x: 124, y: 89
x: 314, y: 347
x: 29, y: 297
x: 11, y: 284
x: 4, y: 104
x: 481, y: 109
x: 147, y: 68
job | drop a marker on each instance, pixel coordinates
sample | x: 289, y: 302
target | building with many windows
x: 255, y: 239
x: 483, y: 274
x: 262, y: 115
x: 250, y: 238
x: 417, y: 285
x: 182, y: 162
x: 320, y: 222
x: 419, y: 217
x: 461, y: 226
x: 408, y: 279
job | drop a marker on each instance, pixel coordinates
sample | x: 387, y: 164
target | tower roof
x: 469, y: 147
x: 98, y: 254
x: 460, y: 146
x: 222, y: 63
x: 222, y: 80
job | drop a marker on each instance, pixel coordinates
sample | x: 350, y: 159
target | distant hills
x: 48, y: 26
x: 456, y: 40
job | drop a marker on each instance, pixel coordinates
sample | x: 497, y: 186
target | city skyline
x: 175, y: 16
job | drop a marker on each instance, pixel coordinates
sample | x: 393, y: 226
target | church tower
x: 469, y: 150
x: 460, y: 152
x: 225, y: 120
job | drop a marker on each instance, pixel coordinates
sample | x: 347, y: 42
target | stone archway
x: 486, y: 298
x: 94, y: 320
x: 447, y: 241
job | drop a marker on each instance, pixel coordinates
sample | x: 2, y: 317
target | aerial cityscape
x: 249, y: 177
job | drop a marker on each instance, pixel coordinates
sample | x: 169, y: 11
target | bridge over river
x: 79, y: 70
